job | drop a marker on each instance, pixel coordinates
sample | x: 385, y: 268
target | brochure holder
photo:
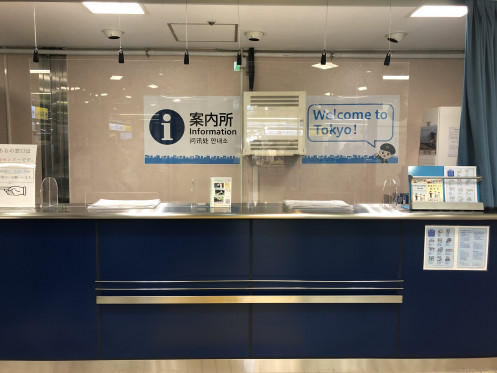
x: 49, y: 192
x: 434, y: 175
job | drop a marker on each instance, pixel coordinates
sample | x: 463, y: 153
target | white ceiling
x: 296, y: 26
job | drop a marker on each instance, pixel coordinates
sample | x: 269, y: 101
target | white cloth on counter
x: 319, y: 206
x: 118, y: 204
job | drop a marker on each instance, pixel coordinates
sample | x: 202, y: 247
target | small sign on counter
x: 220, y: 192
x: 456, y: 247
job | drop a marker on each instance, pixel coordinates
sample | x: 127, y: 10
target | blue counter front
x: 53, y: 270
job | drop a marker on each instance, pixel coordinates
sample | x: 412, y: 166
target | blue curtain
x: 478, y: 135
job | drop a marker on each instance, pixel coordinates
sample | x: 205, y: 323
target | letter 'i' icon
x: 166, y: 127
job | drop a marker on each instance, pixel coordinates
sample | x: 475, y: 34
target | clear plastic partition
x: 355, y: 120
x: 152, y: 125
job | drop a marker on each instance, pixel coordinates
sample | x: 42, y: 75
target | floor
x: 486, y: 365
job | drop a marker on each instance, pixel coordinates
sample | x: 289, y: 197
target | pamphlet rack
x: 429, y: 205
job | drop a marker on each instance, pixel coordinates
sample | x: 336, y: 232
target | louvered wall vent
x: 274, y: 123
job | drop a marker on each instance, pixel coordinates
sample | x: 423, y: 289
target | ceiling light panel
x: 441, y: 11
x: 100, y: 7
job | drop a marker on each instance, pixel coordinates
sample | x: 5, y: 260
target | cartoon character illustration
x: 386, y: 151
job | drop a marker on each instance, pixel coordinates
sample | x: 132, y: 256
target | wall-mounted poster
x: 352, y: 129
x: 456, y: 247
x: 192, y: 130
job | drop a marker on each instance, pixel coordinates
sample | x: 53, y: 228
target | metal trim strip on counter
x: 240, y: 211
x: 249, y: 299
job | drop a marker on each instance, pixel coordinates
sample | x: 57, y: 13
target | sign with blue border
x: 352, y: 129
x: 192, y: 130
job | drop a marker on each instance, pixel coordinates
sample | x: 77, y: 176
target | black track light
x: 186, y: 60
x: 323, y: 58
x: 239, y: 59
x: 36, y: 58
x: 387, y: 59
x: 121, y: 55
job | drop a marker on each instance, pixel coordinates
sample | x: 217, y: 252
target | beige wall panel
x: 19, y: 98
x: 433, y: 83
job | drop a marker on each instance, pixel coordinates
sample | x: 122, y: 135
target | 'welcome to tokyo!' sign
x: 352, y: 130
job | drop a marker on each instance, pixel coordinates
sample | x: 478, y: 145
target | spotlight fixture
x: 387, y: 59
x: 323, y: 55
x: 36, y: 57
x: 121, y: 55
x: 390, y: 38
x: 186, y: 59
x: 239, y: 55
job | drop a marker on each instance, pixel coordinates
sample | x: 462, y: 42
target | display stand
x: 430, y: 205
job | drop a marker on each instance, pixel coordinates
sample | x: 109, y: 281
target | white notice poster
x: 17, y: 175
x: 456, y: 248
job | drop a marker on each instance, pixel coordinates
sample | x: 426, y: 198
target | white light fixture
x: 103, y: 94
x: 362, y: 88
x: 39, y: 71
x: 101, y: 7
x: 328, y: 65
x: 440, y: 11
x: 153, y: 86
x: 395, y: 77
x: 116, y: 77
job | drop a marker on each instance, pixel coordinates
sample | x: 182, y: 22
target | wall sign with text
x: 192, y: 130
x: 352, y: 129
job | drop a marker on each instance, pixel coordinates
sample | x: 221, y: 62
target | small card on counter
x: 220, y: 192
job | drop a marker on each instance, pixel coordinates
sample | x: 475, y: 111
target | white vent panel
x: 274, y: 123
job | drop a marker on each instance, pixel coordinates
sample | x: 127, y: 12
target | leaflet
x: 460, y: 190
x: 220, y: 192
x: 427, y: 190
x: 456, y: 248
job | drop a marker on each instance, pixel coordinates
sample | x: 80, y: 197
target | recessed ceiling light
x: 440, y: 11
x: 395, y: 77
x: 329, y: 65
x: 116, y: 77
x: 101, y: 7
x: 103, y: 94
x: 362, y: 88
x: 39, y: 71
x: 153, y: 86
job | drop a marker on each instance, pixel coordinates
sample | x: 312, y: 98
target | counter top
x: 240, y: 211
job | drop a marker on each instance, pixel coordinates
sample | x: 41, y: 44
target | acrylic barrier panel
x: 354, y: 128
x: 153, y: 125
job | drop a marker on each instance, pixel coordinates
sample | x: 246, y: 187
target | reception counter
x: 245, y: 283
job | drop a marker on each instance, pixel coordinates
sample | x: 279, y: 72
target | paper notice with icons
x: 456, y: 247
x: 17, y: 175
x: 460, y: 190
